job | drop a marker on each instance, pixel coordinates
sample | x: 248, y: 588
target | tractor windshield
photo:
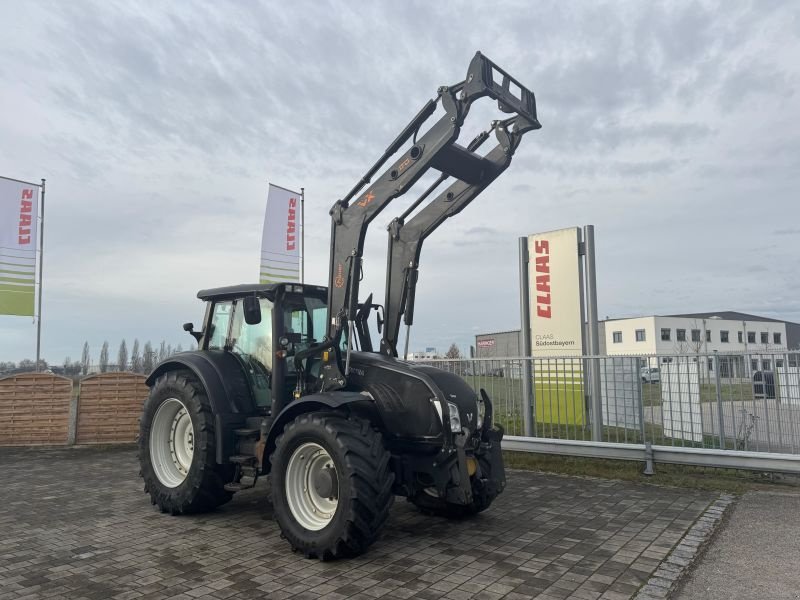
x: 304, y: 320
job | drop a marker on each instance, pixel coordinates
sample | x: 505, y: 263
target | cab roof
x: 259, y: 289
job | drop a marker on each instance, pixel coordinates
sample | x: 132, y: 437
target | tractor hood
x: 404, y: 392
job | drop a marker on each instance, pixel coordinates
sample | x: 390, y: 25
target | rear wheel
x: 331, y: 485
x: 177, y: 447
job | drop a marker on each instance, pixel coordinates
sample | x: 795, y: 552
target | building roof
x: 477, y: 335
x: 728, y: 315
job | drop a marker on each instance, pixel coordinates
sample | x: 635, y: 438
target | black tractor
x: 286, y: 383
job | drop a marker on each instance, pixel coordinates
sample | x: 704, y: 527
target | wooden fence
x: 109, y: 406
x: 34, y: 409
x: 45, y: 409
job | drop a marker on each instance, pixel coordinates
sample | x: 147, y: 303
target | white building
x: 702, y: 334
x: 429, y: 354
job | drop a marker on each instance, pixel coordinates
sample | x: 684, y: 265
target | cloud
x: 671, y: 127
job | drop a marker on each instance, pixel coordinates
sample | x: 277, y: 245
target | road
x: 755, y: 555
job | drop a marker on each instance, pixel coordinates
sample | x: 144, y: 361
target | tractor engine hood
x: 455, y: 390
x: 404, y: 392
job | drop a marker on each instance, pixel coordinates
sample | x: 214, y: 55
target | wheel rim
x: 312, y: 486
x: 171, y: 442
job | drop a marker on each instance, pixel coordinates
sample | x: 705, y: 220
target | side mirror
x: 252, y: 310
x: 197, y: 335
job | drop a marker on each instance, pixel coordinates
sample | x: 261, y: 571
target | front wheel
x: 331, y: 485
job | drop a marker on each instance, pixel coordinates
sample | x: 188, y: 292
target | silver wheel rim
x: 310, y: 509
x: 171, y: 442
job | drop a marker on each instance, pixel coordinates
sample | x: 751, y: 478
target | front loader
x: 286, y: 382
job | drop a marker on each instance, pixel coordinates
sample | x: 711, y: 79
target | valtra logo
x: 543, y: 299
x: 25, y: 217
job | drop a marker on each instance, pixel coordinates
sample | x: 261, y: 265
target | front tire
x: 331, y: 485
x: 177, y: 447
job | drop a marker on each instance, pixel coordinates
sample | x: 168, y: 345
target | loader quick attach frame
x: 436, y: 149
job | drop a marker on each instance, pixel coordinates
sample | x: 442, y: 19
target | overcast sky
x: 674, y: 129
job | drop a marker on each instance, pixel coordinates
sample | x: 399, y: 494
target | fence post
x: 637, y: 371
x: 72, y: 423
x: 593, y: 333
x: 649, y: 460
x: 718, y: 385
x: 528, y: 397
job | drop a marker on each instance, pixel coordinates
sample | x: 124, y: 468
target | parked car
x: 650, y: 375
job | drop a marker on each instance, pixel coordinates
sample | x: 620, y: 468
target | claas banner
x: 280, y: 241
x: 19, y: 208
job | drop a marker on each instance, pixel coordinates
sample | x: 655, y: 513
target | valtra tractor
x: 286, y: 382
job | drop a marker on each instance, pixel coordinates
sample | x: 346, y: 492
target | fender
x: 226, y: 386
x: 314, y: 402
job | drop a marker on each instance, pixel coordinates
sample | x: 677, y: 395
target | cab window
x: 254, y: 341
x: 220, y: 323
x: 253, y: 345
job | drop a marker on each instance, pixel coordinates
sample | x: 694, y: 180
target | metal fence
x: 733, y: 410
x: 727, y: 410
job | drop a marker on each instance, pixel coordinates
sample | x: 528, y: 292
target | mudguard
x: 227, y: 389
x: 314, y: 402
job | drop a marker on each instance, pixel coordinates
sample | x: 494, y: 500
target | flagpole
x: 41, y: 268
x: 302, y: 235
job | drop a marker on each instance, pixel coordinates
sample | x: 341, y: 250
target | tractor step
x: 245, y: 432
x: 246, y: 473
x: 245, y: 483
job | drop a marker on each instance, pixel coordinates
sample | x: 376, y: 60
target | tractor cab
x: 263, y: 325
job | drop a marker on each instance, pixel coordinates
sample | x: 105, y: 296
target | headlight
x: 455, y: 418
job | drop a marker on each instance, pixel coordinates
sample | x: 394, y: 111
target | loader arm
x: 436, y: 148
x: 405, y: 239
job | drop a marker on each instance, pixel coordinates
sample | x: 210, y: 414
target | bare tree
x: 85, y: 359
x: 453, y: 352
x: 136, y: 358
x: 104, y: 358
x: 148, y: 357
x: 179, y: 349
x: 122, y: 357
x: 162, y: 351
x: 697, y: 345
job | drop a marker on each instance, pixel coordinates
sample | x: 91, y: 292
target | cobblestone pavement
x: 75, y: 524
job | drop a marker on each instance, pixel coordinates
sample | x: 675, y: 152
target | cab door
x: 253, y: 346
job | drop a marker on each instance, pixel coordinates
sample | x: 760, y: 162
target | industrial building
x: 724, y: 332
x: 502, y: 344
x: 700, y: 333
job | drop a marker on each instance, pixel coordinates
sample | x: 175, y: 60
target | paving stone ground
x: 75, y: 524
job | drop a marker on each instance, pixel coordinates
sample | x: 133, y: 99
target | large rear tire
x: 177, y: 447
x: 331, y: 485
